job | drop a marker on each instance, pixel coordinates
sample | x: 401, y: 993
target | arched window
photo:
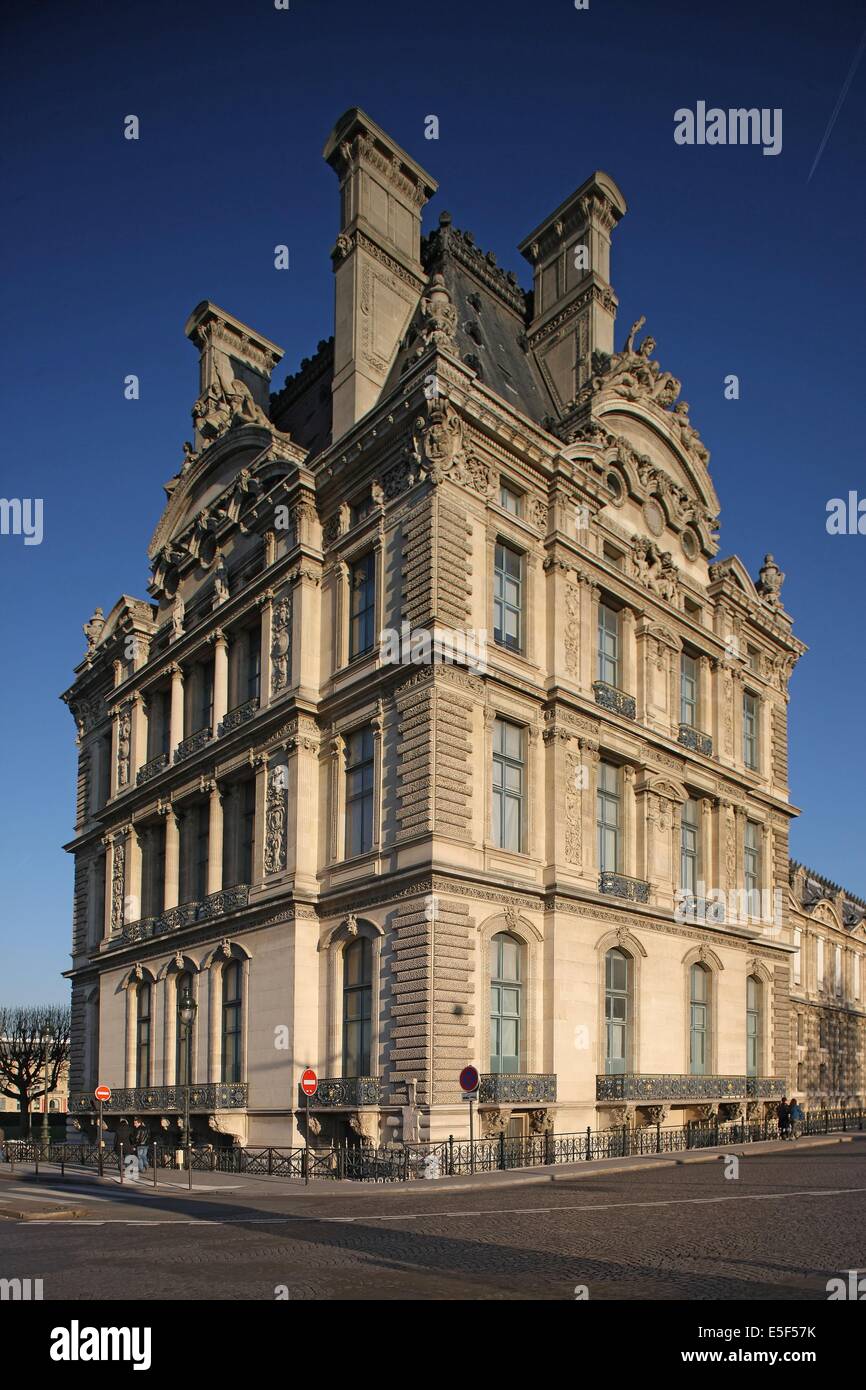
x: 753, y: 1026
x: 357, y: 1007
x: 142, y: 1035
x: 699, y: 1020
x: 506, y: 988
x: 617, y: 1011
x: 182, y: 1045
x: 232, y: 1018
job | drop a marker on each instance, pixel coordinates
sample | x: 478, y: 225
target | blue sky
x: 740, y: 265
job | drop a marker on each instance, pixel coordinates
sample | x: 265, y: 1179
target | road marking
x: 459, y: 1215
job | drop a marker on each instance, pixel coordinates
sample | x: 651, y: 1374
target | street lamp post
x: 186, y: 1012
x: 45, y: 1035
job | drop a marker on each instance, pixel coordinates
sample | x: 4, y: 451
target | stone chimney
x: 235, y: 366
x: 377, y: 259
x: 574, y: 304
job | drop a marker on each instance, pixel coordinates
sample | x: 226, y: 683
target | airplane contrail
x: 838, y: 107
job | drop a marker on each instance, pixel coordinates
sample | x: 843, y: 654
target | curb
x: 55, y: 1214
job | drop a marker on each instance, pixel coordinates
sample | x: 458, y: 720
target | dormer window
x: 509, y: 500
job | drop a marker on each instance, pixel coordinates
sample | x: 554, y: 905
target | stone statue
x: 770, y: 581
x: 93, y: 629
x: 221, y: 582
x: 177, y: 612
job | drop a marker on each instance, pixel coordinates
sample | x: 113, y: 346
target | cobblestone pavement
x: 780, y: 1230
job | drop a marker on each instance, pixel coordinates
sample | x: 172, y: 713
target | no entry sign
x: 469, y: 1079
x: 309, y: 1082
x: 102, y: 1093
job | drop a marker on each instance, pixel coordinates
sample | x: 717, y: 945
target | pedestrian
x: 141, y: 1139
x: 796, y: 1117
x: 783, y: 1115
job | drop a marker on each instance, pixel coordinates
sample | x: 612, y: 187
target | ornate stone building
x: 828, y: 992
x: 561, y: 853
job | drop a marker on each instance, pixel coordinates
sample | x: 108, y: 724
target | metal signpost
x: 309, y: 1086
x: 469, y: 1080
x: 101, y: 1094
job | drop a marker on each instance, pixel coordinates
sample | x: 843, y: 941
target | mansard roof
x: 814, y: 888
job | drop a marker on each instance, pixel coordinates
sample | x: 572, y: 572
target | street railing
x: 444, y: 1158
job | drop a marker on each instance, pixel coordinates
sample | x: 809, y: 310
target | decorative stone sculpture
x: 93, y: 629
x: 177, y: 614
x: 770, y: 581
x: 221, y: 582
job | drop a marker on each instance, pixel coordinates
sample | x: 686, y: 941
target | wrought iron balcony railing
x: 697, y: 741
x: 237, y: 716
x: 184, y: 915
x: 209, y: 1095
x: 516, y: 1088
x: 157, y: 764
x: 350, y: 1091
x: 200, y: 739
x: 640, y: 1087
x: 635, y: 890
x: 616, y: 700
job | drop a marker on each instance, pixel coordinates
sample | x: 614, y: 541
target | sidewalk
x: 172, y: 1184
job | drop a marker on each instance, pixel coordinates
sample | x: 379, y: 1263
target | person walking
x: 796, y: 1117
x: 783, y: 1116
x: 141, y: 1139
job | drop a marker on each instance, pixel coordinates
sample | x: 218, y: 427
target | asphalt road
x: 789, y: 1222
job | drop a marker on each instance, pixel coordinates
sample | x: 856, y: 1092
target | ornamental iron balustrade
x: 157, y: 764
x: 693, y: 738
x: 692, y: 909
x: 346, y: 1091
x: 516, y: 1088
x: 184, y: 915
x: 621, y: 886
x: 187, y: 746
x: 237, y: 716
x: 635, y: 1086
x: 402, y: 1162
x: 616, y: 700
x: 211, y: 1095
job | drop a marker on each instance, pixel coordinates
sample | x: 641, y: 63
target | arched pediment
x: 826, y: 913
x: 734, y: 570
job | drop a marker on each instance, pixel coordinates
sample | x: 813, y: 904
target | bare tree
x: 27, y: 1035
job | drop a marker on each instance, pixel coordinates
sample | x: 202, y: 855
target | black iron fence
x: 447, y: 1157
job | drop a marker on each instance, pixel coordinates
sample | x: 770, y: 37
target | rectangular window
x: 246, y: 831
x: 752, y: 866
x: 799, y: 1076
x: 509, y: 500
x: 509, y: 772
x: 797, y: 957
x: 361, y: 509
x: 202, y: 841
x: 362, y: 588
x: 153, y: 871
x: 837, y: 969
x: 608, y: 818
x: 750, y: 730
x: 359, y: 792
x: 205, y: 697
x: 856, y: 964
x: 608, y: 645
x: 253, y: 664
x: 801, y: 1031
x: 819, y: 963
x: 508, y: 597
x: 689, y: 847
x: 688, y: 690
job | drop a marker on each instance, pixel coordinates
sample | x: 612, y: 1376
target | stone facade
x: 387, y: 866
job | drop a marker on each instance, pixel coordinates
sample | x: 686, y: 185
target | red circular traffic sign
x: 469, y: 1079
x: 103, y: 1093
x: 309, y: 1082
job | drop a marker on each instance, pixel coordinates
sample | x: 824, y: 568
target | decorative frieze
x: 276, y: 813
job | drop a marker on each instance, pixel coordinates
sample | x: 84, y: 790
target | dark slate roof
x: 492, y: 315
x: 303, y: 407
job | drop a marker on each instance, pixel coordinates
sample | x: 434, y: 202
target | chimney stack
x: 377, y: 259
x: 574, y: 303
